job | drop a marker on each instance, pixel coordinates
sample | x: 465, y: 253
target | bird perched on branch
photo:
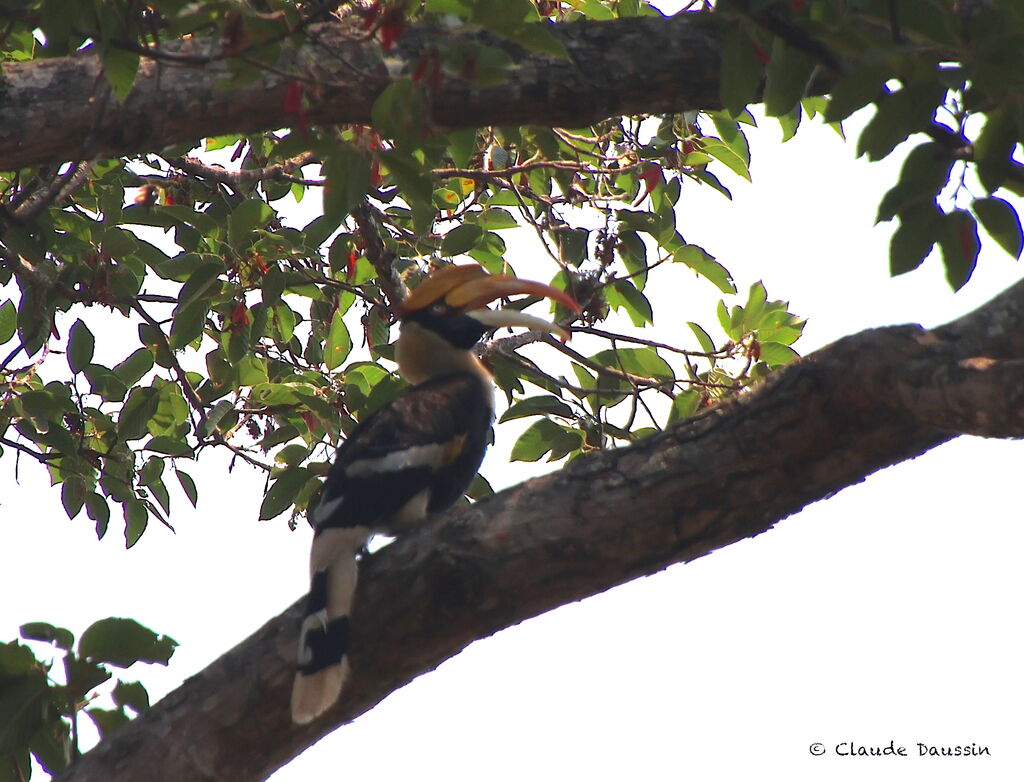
x: 412, y: 457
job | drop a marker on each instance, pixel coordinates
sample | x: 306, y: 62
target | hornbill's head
x: 446, y: 316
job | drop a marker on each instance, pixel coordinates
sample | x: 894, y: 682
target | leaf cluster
x: 39, y: 714
x: 942, y: 73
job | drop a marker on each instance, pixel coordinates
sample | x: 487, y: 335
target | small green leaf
x: 705, y: 265
x: 338, y: 344
x: 786, y: 78
x: 8, y: 321
x: 400, y: 113
x: 919, y: 229
x: 684, y: 405
x: 993, y: 149
x: 347, y: 180
x: 72, y: 495
x: 703, y: 338
x: 1000, y: 219
x: 494, y: 219
x: 188, y: 486
x: 123, y: 642
x: 741, y: 71
x: 135, y: 366
x: 924, y: 174
x: 245, y: 219
x: 120, y: 68
x: 775, y: 355
x: 131, y: 694
x: 960, y: 246
x: 722, y: 152
x: 282, y: 493
x: 107, y: 720
x: 540, y: 438
x: 623, y: 294
x: 136, y: 519
x: 169, y: 445
x: 537, y: 405
x: 44, y: 631
x: 900, y: 114
x: 98, y: 510
x: 461, y: 239
x: 81, y: 344
x: 857, y: 89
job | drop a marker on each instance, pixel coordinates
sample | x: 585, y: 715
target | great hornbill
x: 412, y: 457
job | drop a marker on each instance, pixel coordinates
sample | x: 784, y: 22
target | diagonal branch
x: 824, y: 423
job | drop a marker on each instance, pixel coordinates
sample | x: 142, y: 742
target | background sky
x: 889, y: 612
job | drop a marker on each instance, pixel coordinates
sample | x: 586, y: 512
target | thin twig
x: 37, y: 455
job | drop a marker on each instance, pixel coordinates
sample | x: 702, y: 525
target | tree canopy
x: 155, y: 160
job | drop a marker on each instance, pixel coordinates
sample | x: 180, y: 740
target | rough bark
x: 866, y: 402
x: 63, y: 109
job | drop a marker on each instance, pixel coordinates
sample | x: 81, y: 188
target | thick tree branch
x: 864, y: 403
x: 59, y: 109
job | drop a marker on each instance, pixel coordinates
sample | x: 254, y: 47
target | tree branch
x: 51, y: 108
x: 824, y: 423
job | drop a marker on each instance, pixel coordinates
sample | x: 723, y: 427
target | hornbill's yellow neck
x: 423, y: 354
x: 444, y: 318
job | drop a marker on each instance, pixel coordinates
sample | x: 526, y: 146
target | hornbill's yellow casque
x: 412, y: 457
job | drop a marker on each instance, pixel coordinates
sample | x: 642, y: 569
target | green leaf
x: 188, y: 486
x: 900, y: 114
x: 494, y: 219
x: 8, y: 321
x: 545, y: 436
x: 537, y: 405
x: 98, y: 510
x: 131, y: 694
x: 136, y: 519
x: 1000, y: 219
x: 123, y: 642
x: 705, y: 265
x: 400, y: 113
x: 722, y: 152
x: 993, y: 149
x: 245, y: 219
x: 81, y: 344
x: 684, y: 405
x: 857, y: 89
x: 924, y: 174
x: 120, y: 68
x: 786, y: 77
x: 775, y: 355
x: 338, y: 344
x: 622, y: 294
x: 919, y: 229
x: 572, y: 245
x: 643, y: 362
x: 44, y: 631
x: 461, y: 239
x: 703, y: 338
x: 134, y: 367
x: 72, y: 495
x: 282, y: 493
x: 410, y: 175
x: 347, y: 180
x: 741, y: 71
x: 170, y: 446
x: 960, y: 246
x: 107, y: 720
x: 105, y: 383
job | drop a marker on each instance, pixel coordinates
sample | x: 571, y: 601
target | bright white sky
x: 889, y: 612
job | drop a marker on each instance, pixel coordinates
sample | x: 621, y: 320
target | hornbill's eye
x: 438, y: 309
